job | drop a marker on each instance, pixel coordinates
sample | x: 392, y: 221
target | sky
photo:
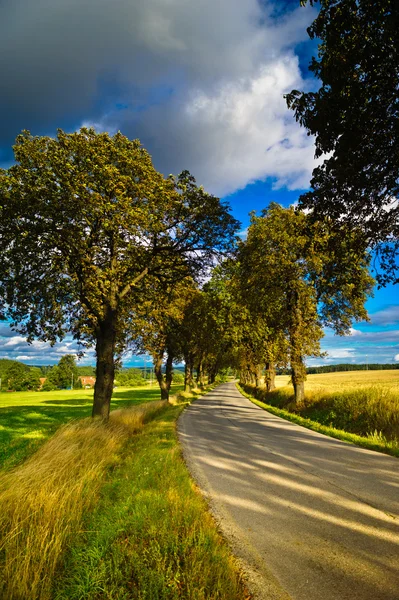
x: 201, y: 84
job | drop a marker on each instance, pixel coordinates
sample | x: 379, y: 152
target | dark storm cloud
x: 179, y: 68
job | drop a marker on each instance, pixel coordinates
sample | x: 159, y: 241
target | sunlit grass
x: 363, y: 403
x: 150, y: 536
x: 346, y: 380
x: 374, y: 441
x: 28, y: 419
x: 109, y: 511
x: 42, y: 501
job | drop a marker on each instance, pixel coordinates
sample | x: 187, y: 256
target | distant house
x: 42, y: 381
x: 87, y: 381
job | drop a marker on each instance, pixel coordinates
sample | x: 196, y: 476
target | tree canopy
x: 354, y: 117
x: 88, y: 226
x: 293, y: 277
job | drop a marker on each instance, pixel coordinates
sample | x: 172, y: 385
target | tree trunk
x: 258, y: 376
x: 298, y: 369
x: 270, y: 377
x: 200, y: 374
x: 160, y: 378
x: 105, y: 366
x: 299, y: 392
x: 169, y: 371
x: 298, y: 377
x: 188, y: 374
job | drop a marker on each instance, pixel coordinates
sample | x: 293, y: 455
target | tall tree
x: 355, y: 118
x: 298, y: 275
x: 87, y: 227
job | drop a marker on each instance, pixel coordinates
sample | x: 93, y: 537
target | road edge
x: 262, y: 584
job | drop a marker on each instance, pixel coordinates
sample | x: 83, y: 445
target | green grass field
x: 106, y: 511
x: 27, y: 419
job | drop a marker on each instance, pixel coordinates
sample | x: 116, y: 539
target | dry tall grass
x: 43, y: 500
x: 362, y: 402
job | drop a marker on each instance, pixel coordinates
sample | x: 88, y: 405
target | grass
x: 359, y: 407
x: 28, y: 419
x: 101, y: 512
x: 347, y: 380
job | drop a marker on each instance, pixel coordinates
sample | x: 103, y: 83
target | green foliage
x: 178, y: 377
x: 87, y: 371
x: 5, y: 364
x: 292, y: 276
x: 354, y: 118
x: 77, y: 385
x: 16, y: 376
x: 67, y: 371
x: 89, y: 229
x: 130, y: 377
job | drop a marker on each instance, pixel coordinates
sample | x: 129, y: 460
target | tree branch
x: 129, y: 286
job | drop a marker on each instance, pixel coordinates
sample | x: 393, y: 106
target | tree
x: 16, y: 376
x: 275, y: 263
x: 354, y: 116
x: 158, y: 330
x: 297, y: 276
x: 67, y: 371
x: 32, y: 380
x: 88, y: 226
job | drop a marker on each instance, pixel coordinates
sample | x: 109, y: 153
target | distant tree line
x: 352, y: 367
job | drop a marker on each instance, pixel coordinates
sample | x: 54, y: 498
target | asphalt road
x: 309, y: 517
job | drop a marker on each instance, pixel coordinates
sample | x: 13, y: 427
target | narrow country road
x: 310, y: 517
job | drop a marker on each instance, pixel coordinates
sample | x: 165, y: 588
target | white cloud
x: 341, y: 353
x: 15, y: 341
x: 354, y: 332
x: 387, y: 316
x: 231, y: 133
x: 202, y: 83
x: 396, y: 357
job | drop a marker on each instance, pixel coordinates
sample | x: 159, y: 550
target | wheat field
x: 347, y: 381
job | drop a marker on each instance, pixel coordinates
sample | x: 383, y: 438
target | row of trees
x: 265, y: 306
x: 292, y: 276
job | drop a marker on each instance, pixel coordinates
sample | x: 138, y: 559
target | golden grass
x: 346, y: 381
x: 365, y: 403
x: 43, y: 500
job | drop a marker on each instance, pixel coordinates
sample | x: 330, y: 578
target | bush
x: 48, y: 387
x: 178, y: 377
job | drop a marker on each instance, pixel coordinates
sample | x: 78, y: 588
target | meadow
x: 100, y: 511
x: 28, y: 419
x: 362, y: 403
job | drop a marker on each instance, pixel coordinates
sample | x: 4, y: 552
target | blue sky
x: 200, y: 84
